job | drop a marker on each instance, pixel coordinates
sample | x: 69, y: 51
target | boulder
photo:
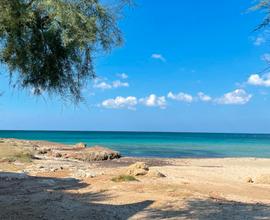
x: 80, y: 146
x: 138, y: 169
x: 155, y: 174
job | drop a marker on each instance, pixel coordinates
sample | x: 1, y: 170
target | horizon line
x: 130, y: 131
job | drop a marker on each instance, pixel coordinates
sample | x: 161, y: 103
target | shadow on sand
x: 27, y: 197
x: 211, y: 209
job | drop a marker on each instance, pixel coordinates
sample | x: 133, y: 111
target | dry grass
x: 123, y: 178
x: 25, y: 157
x: 13, y: 153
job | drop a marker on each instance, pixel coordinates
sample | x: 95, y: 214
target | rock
x: 80, y: 146
x: 155, y: 174
x: 57, y: 154
x: 44, y: 151
x: 54, y: 169
x: 35, y: 146
x: 138, y: 169
x: 96, y: 153
x: 249, y: 180
x: 84, y: 174
x: 263, y: 179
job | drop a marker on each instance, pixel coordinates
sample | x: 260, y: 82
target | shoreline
x: 58, y: 144
x: 48, y: 186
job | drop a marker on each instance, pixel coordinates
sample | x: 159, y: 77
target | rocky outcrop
x: 96, y: 153
x: 79, y: 151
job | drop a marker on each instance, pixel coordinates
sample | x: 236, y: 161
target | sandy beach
x: 56, y: 187
x: 134, y: 110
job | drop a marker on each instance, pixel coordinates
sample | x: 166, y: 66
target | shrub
x: 123, y: 178
x: 25, y: 157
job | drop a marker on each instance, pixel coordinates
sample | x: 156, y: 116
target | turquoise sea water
x: 155, y: 144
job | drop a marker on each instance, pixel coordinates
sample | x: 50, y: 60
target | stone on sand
x: 249, y: 180
x: 155, y: 173
x: 138, y: 169
x: 84, y: 174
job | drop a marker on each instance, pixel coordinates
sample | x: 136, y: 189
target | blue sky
x: 185, y: 66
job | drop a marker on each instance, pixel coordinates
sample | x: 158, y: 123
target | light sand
x: 192, y: 189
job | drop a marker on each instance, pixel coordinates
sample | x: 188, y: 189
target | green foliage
x: 49, y: 44
x: 263, y: 5
x: 124, y: 178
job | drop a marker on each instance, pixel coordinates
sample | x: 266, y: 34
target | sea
x: 160, y: 144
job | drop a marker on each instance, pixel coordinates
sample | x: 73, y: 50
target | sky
x: 185, y: 66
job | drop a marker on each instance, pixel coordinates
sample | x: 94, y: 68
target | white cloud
x: 118, y: 84
x: 121, y: 102
x: 158, y: 57
x: 236, y: 97
x: 203, y: 97
x: 154, y: 101
x: 184, y: 97
x: 102, y: 85
x: 259, y: 41
x: 105, y: 85
x: 122, y: 75
x: 258, y: 80
x: 266, y: 57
